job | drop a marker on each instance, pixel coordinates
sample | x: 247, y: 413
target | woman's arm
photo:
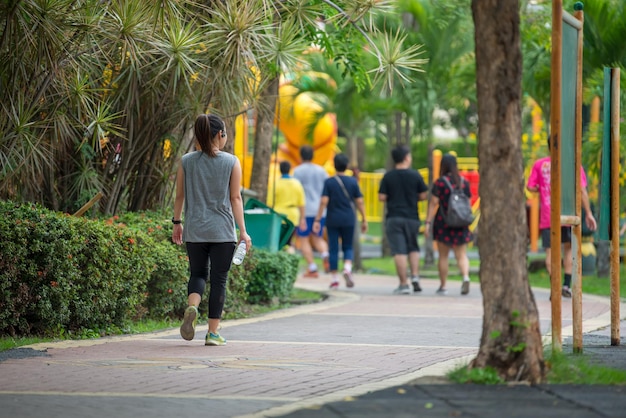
x: 177, y: 231
x: 589, y: 218
x: 433, y: 204
x: 237, y: 203
x: 360, y: 206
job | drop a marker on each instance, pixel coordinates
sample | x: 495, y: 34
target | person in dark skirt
x: 448, y: 237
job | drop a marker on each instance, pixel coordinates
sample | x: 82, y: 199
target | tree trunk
x: 361, y: 151
x: 398, y: 130
x: 357, y: 260
x: 511, y: 338
x: 229, y: 124
x: 266, y: 110
x: 353, y: 150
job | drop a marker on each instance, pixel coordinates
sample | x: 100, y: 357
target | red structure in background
x: 474, y: 179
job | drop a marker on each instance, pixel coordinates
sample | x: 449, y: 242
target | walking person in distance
x: 448, y: 237
x: 208, y: 187
x: 286, y: 196
x: 539, y: 182
x: 312, y: 178
x: 401, y: 189
x: 340, y: 195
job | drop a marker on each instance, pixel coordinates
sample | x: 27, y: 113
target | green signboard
x: 568, y: 118
x: 604, y: 221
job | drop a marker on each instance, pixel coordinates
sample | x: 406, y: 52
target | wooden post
x: 577, y: 269
x: 88, y: 205
x: 615, y: 121
x: 555, y: 172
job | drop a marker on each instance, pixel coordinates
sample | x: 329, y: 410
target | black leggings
x: 220, y: 255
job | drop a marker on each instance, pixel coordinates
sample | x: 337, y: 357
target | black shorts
x: 566, y: 236
x: 402, y: 235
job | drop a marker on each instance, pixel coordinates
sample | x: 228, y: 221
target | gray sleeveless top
x: 208, y: 211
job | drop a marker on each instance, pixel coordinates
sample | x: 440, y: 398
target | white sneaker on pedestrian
x: 465, y: 287
x: 402, y: 290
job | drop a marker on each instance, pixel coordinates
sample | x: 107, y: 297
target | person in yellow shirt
x: 286, y: 196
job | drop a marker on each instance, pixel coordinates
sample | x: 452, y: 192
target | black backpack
x: 459, y: 213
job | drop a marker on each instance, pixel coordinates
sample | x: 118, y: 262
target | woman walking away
x: 448, y: 237
x: 208, y: 186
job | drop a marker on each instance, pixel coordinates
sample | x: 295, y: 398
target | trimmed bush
x: 166, y: 289
x: 273, y: 276
x: 65, y: 275
x: 60, y: 273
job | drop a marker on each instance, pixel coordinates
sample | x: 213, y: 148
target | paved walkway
x: 362, y: 352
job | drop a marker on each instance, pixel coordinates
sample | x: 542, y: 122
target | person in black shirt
x: 401, y: 189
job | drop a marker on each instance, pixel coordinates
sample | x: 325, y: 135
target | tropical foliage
x: 603, y: 46
x: 99, y: 96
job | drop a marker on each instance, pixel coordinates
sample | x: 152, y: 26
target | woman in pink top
x: 539, y: 181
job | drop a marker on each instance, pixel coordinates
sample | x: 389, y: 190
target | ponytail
x: 206, y: 129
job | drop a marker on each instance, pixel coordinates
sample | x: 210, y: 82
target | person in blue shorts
x: 312, y: 177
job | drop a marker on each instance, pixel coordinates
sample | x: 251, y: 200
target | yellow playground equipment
x: 295, y: 115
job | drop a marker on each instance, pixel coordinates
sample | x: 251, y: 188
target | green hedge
x: 61, y: 274
x: 273, y: 276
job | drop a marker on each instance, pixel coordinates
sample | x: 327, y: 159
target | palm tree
x: 344, y: 34
x: 92, y: 95
x: 100, y: 96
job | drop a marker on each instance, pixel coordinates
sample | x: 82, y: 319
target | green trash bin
x: 267, y: 228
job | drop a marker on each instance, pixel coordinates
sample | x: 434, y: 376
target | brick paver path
x: 359, y: 340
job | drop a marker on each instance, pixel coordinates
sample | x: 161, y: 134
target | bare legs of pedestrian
x: 401, y: 266
x: 460, y: 253
x: 194, y: 299
x: 402, y: 261
x: 320, y: 245
x: 444, y: 251
x: 566, y: 291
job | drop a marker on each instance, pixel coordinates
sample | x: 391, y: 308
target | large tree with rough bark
x: 511, y: 338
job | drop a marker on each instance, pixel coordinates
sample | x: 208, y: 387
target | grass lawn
x: 593, y: 285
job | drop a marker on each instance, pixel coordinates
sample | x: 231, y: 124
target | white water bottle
x: 240, y: 253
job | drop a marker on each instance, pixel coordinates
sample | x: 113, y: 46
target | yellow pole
x: 437, y: 155
x: 534, y: 223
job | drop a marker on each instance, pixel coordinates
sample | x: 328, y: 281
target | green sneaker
x: 214, y: 339
x: 188, y: 328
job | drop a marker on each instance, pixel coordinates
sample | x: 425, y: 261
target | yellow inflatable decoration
x: 294, y: 114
